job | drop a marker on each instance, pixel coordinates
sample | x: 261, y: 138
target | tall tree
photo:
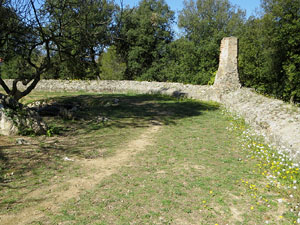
x: 84, y: 30
x: 36, y: 37
x: 181, y: 63
x: 285, y: 18
x: 270, y: 50
x: 205, y: 23
x: 22, y: 38
x: 142, y: 37
x: 210, y: 19
x: 257, y: 57
x: 112, y: 66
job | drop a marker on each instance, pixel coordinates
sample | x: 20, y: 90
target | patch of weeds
x: 53, y: 130
x: 3, y: 160
x: 281, y: 173
x: 26, y: 131
x: 18, y: 116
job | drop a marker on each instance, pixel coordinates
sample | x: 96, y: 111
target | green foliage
x: 194, y: 57
x: 112, y: 67
x: 143, y: 36
x: 181, y: 64
x: 288, y: 41
x: 17, y: 67
x: 18, y: 44
x: 14, y: 34
x: 85, y: 29
x: 52, y: 130
x: 270, y: 50
x: 71, y: 41
x: 205, y: 23
x: 254, y: 57
x: 212, y: 79
x: 53, y: 39
x: 210, y: 19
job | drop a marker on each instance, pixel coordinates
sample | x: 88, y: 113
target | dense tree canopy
x: 206, y: 19
x: 270, y: 50
x: 61, y: 39
x: 143, y: 37
x: 112, y: 65
x: 83, y: 30
x: 71, y: 39
x: 205, y: 23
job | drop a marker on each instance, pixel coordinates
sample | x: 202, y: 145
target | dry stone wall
x: 279, y: 122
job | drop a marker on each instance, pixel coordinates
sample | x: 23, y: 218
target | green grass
x: 190, y: 176
x: 196, y: 171
x: 197, y: 141
x: 33, y: 166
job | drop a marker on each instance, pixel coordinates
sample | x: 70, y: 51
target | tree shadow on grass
x: 3, y: 160
x: 16, y: 160
x: 121, y: 111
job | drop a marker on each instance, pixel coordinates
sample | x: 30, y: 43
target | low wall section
x: 279, y: 122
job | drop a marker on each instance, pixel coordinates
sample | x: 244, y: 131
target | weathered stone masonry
x: 279, y: 122
x: 227, y: 77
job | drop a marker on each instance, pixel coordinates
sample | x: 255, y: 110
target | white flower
x: 279, y: 200
x: 294, y: 181
x: 291, y: 196
x: 298, y: 220
x: 295, y: 187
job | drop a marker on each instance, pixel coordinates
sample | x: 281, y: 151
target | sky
x: 176, y: 5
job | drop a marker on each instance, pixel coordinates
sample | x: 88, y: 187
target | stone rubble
x: 16, y: 118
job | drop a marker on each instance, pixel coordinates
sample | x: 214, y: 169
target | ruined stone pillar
x: 227, y: 77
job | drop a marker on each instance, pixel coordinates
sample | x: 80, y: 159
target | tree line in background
x: 89, y: 39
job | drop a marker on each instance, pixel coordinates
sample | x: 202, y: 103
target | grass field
x: 154, y: 160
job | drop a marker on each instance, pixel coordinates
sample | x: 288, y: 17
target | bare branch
x: 32, y: 85
x: 5, y: 87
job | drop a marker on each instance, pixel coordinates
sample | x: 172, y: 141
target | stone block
x: 7, y: 126
x: 227, y: 77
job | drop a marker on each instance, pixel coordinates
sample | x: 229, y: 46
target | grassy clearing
x: 197, y: 170
x: 30, y: 167
x: 190, y: 176
x: 25, y: 168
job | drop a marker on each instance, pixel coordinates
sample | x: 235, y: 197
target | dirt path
x: 95, y: 169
